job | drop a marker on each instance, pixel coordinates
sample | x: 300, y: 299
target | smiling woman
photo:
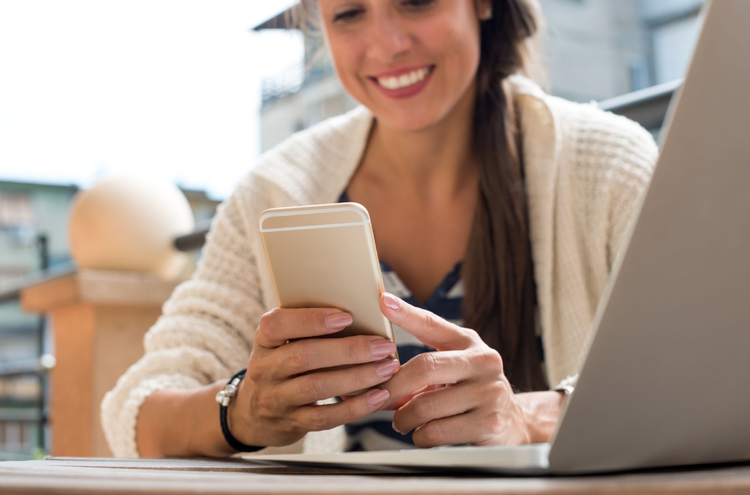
x: 380, y: 52
x: 428, y: 67
x: 406, y: 78
x: 497, y: 212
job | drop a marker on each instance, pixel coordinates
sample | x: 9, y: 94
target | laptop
x: 666, y: 376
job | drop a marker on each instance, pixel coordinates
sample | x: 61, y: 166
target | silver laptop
x: 666, y: 379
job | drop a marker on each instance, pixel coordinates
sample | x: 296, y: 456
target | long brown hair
x: 500, y: 292
x: 498, y: 272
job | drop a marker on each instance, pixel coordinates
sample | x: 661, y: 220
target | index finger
x: 427, y: 370
x: 429, y: 328
x: 281, y: 325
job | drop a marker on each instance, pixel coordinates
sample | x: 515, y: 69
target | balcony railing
x: 291, y: 80
x: 23, y: 419
x: 648, y: 106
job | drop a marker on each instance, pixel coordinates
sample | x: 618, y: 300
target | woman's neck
x: 433, y: 163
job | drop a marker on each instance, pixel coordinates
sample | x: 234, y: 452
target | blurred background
x: 192, y: 92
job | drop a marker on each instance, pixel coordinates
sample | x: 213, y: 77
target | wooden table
x: 136, y: 476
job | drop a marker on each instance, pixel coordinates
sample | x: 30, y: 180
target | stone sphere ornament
x: 130, y: 223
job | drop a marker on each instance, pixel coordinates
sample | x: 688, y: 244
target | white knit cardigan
x: 585, y: 170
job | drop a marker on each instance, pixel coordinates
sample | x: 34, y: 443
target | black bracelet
x: 224, y: 397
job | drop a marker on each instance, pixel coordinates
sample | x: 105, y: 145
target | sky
x: 165, y: 88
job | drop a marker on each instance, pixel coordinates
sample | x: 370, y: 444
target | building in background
x: 301, y: 95
x: 28, y: 212
x: 673, y: 27
x: 594, y: 49
x: 33, y: 237
x: 33, y: 221
x: 202, y: 205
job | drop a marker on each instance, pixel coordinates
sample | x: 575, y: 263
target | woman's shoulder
x: 592, y: 133
x: 312, y: 164
x: 587, y: 136
x: 583, y: 160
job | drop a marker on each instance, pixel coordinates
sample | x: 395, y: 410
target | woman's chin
x: 407, y: 120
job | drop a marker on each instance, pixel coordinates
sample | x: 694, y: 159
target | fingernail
x: 392, y: 301
x: 338, y: 321
x: 387, y: 368
x: 376, y: 398
x: 393, y: 425
x: 381, y: 348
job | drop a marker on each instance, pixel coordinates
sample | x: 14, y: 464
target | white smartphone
x: 324, y: 256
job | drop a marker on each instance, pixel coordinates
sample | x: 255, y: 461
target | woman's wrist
x: 181, y: 423
x: 204, y: 437
x: 214, y: 436
x: 541, y: 411
x: 236, y: 417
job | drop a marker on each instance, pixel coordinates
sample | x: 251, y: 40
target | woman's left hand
x: 459, y: 393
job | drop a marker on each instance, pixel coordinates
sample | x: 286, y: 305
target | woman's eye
x: 347, y: 15
x: 418, y: 4
x: 353, y: 14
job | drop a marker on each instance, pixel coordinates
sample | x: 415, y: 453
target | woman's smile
x: 411, y: 62
x: 404, y: 82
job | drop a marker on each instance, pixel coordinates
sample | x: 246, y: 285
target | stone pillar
x: 98, y: 321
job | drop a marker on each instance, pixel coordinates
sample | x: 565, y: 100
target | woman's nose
x: 388, y: 37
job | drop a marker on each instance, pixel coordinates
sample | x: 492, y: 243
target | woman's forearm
x: 181, y: 423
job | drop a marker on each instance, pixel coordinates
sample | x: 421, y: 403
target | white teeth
x: 405, y: 80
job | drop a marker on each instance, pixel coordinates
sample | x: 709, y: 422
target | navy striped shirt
x: 375, y: 432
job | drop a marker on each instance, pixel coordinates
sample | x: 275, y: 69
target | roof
x: 279, y: 21
x: 10, y: 183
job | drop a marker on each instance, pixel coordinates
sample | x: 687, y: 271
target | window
x: 16, y: 210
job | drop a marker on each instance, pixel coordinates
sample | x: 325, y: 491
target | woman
x: 467, y: 169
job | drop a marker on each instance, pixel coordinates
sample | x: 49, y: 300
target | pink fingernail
x: 338, y: 321
x: 386, y: 369
x: 392, y: 301
x: 376, y: 398
x: 381, y: 348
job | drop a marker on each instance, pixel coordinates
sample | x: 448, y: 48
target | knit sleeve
x: 631, y: 175
x: 605, y: 165
x: 205, y: 333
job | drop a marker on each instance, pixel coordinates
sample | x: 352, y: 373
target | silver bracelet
x: 568, y: 385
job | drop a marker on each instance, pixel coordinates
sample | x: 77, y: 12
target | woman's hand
x: 276, y: 402
x: 462, y: 395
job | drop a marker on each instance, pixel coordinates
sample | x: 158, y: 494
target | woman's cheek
x: 346, y: 63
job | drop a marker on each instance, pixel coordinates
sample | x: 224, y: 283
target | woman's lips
x: 404, y: 84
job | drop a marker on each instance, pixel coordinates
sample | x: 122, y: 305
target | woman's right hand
x: 276, y: 402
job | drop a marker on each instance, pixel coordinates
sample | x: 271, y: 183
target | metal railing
x: 13, y: 291
x: 33, y: 366
x: 23, y: 423
x: 292, y: 80
x: 647, y: 106
x: 20, y: 434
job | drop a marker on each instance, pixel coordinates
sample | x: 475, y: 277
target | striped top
x: 375, y: 432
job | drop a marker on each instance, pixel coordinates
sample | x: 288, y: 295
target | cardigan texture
x: 585, y: 172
